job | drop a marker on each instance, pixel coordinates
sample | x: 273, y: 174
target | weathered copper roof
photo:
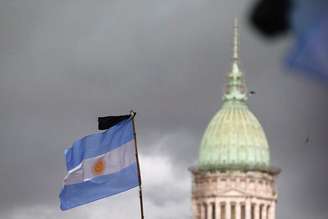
x: 234, y: 138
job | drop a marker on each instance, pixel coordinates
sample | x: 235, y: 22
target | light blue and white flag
x: 100, y: 165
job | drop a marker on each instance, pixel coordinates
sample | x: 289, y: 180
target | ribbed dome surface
x: 234, y: 138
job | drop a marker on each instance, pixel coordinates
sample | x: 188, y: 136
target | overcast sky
x: 65, y: 62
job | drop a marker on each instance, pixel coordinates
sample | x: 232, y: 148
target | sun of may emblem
x: 98, y: 167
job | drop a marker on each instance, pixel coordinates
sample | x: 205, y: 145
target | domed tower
x: 233, y: 178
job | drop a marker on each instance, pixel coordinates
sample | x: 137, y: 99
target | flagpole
x: 138, y: 165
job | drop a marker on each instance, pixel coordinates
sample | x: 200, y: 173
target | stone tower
x: 233, y: 178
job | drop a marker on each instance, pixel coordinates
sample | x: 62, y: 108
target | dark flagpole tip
x: 133, y: 114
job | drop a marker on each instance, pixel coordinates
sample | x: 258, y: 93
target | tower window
x: 253, y: 212
x: 213, y: 210
x: 205, y: 210
x: 268, y: 212
x: 243, y: 212
x: 233, y: 211
x: 223, y: 213
x: 261, y: 211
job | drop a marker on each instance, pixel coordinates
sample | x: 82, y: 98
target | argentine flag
x: 100, y: 165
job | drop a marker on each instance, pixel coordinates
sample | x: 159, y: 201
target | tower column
x: 228, y: 210
x: 248, y: 209
x: 238, y: 210
x: 209, y: 210
x: 273, y: 210
x: 217, y: 209
x: 265, y: 211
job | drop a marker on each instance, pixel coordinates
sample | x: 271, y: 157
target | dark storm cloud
x: 63, y: 63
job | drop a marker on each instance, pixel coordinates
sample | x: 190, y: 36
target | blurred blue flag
x: 100, y: 165
x: 309, y: 53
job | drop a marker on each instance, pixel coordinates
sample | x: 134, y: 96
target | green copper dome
x: 234, y: 138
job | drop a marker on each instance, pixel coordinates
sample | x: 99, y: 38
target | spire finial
x: 236, y: 87
x: 236, y: 41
